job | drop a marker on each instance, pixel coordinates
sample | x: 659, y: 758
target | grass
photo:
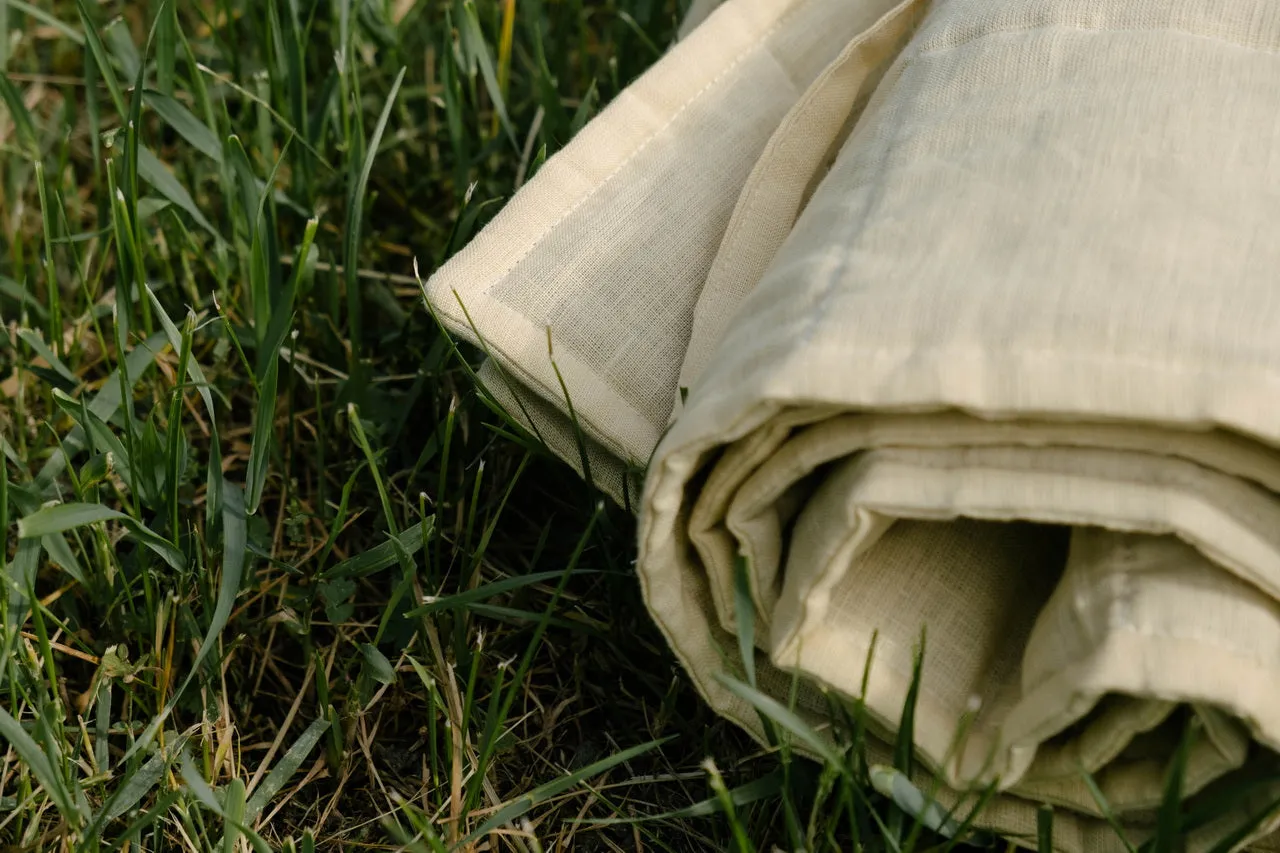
x: 274, y: 576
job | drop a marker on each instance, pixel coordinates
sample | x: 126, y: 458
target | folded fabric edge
x: 460, y: 289
x: 621, y: 481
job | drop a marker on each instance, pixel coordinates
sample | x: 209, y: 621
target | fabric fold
x: 947, y: 319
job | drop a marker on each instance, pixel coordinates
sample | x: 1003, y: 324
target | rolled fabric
x: 956, y: 316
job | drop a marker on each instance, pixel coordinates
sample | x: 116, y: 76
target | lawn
x: 275, y: 576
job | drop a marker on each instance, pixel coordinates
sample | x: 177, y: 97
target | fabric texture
x: 951, y: 319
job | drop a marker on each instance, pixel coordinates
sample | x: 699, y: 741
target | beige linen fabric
x: 975, y: 305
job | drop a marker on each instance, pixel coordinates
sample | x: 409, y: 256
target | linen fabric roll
x: 954, y: 314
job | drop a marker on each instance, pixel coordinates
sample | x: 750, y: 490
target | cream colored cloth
x: 977, y: 308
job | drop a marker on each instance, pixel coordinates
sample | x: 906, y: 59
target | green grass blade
x: 20, y: 117
x: 264, y: 417
x: 477, y: 594
x: 377, y: 665
x: 4, y: 511
x: 156, y: 810
x: 20, y: 577
x: 362, y: 441
x: 185, y: 124
x: 53, y: 289
x: 765, y: 788
x: 109, y: 399
x: 37, y: 343
x: 63, y: 517
x: 543, y: 793
x: 171, y: 333
x: 176, y: 451
x: 61, y: 555
x: 151, y: 170
x: 895, y: 785
x: 583, y: 114
x: 478, y: 50
x: 741, y: 842
x: 37, y: 761
x: 285, y: 768
x: 355, y: 210
x: 103, y: 700
x: 166, y: 46
x: 175, y: 338
x: 100, y: 58
x: 745, y: 618
x: 136, y: 786
x: 232, y: 814
x: 250, y: 189
x: 53, y: 22
x: 284, y: 123
x: 119, y: 39
x: 128, y: 260
x: 282, y: 312
x: 1044, y: 830
x: 235, y: 535
x: 783, y: 716
x: 380, y: 557
x: 904, y: 746
x: 25, y: 298
x: 264, y: 256
x: 1169, y: 815
x: 514, y: 616
x: 654, y: 51
x: 101, y: 436
x: 1108, y: 813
